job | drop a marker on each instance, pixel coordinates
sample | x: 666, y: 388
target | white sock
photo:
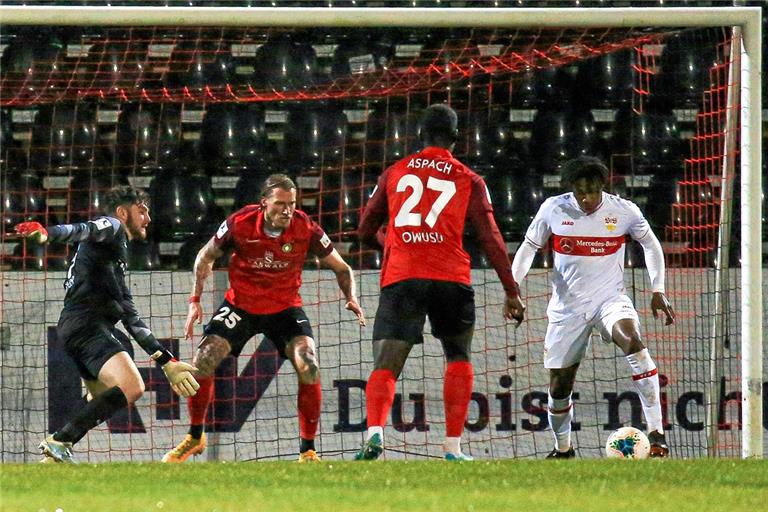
x: 646, y: 380
x: 560, y: 414
x: 452, y: 445
x: 376, y: 430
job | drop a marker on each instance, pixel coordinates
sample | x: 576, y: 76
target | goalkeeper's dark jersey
x: 95, y: 281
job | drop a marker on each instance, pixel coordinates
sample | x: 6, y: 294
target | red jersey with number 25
x: 265, y: 272
x: 428, y: 197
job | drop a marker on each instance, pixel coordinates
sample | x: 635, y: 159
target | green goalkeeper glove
x: 179, y: 374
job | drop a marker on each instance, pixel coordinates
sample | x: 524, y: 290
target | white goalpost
x: 747, y: 31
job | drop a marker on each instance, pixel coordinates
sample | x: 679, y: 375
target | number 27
x: 406, y: 216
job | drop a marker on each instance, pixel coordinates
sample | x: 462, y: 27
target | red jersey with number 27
x: 264, y: 271
x: 428, y: 197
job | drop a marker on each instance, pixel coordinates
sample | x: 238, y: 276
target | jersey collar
x: 436, y: 152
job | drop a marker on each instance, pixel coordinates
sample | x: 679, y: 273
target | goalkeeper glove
x: 179, y: 375
x: 33, y: 231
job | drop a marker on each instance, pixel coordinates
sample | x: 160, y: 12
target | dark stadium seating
x: 63, y: 137
x: 559, y: 135
x: 23, y: 198
x: 148, y: 137
x: 88, y: 192
x: 314, y: 137
x: 285, y: 63
x: 685, y: 69
x: 205, y: 62
x: 234, y: 138
x: 355, y: 55
x: 143, y: 255
x: 652, y: 138
x: 391, y: 134
x: 605, y: 81
x: 120, y: 64
x: 181, y: 204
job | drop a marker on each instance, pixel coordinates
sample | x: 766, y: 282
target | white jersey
x: 588, y: 250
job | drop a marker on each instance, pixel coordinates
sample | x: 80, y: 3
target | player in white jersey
x: 588, y: 228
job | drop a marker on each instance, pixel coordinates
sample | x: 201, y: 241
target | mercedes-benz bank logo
x: 566, y: 245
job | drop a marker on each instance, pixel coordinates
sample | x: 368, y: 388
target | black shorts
x: 238, y: 326
x: 92, y: 347
x: 404, y: 306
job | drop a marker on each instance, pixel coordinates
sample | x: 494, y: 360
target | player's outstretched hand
x: 354, y: 307
x: 659, y: 302
x: 179, y: 374
x: 33, y: 231
x: 514, y: 309
x: 195, y: 313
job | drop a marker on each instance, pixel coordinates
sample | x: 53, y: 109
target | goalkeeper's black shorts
x: 237, y: 326
x: 93, y: 346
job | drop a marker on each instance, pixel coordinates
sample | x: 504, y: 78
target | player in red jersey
x: 428, y: 197
x: 269, y: 242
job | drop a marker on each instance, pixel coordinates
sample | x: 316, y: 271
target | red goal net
x: 200, y: 116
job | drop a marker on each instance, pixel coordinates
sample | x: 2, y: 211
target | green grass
x: 503, y: 486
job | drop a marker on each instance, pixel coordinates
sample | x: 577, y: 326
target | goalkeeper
x: 96, y: 299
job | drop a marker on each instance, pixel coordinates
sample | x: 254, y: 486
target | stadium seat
x: 559, y: 135
x: 143, y: 255
x: 513, y: 206
x: 64, y: 137
x: 651, y: 137
x: 363, y: 258
x: 487, y: 139
x: 23, y: 199
x: 606, y: 81
x: 120, y: 64
x: 356, y: 54
x: 36, y: 257
x: 234, y: 138
x: 284, y: 63
x: 148, y: 137
x: 31, y: 63
x: 391, y: 134
x: 684, y: 69
x: 88, y: 192
x: 201, y: 63
x: 314, y: 137
x: 181, y: 204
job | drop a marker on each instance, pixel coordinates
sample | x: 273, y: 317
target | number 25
x: 406, y: 216
x: 229, y: 317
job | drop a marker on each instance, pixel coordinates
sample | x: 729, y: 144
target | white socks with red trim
x: 560, y: 415
x: 646, y: 380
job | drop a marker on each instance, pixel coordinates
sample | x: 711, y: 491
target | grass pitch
x: 397, y: 486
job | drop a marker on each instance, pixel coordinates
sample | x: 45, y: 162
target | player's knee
x: 630, y: 342
x: 133, y: 391
x: 309, y: 373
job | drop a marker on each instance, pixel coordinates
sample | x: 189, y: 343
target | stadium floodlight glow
x: 747, y: 19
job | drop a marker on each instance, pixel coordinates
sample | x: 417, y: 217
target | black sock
x: 196, y: 431
x: 101, y: 408
x: 306, y: 444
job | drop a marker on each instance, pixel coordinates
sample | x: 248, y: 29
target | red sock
x: 379, y: 395
x: 198, y: 404
x: 309, y: 401
x: 457, y: 390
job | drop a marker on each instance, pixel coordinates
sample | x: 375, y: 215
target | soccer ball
x: 628, y: 443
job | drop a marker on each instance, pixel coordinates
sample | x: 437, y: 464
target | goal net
x: 200, y: 115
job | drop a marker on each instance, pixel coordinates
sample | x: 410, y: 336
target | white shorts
x: 567, y: 340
